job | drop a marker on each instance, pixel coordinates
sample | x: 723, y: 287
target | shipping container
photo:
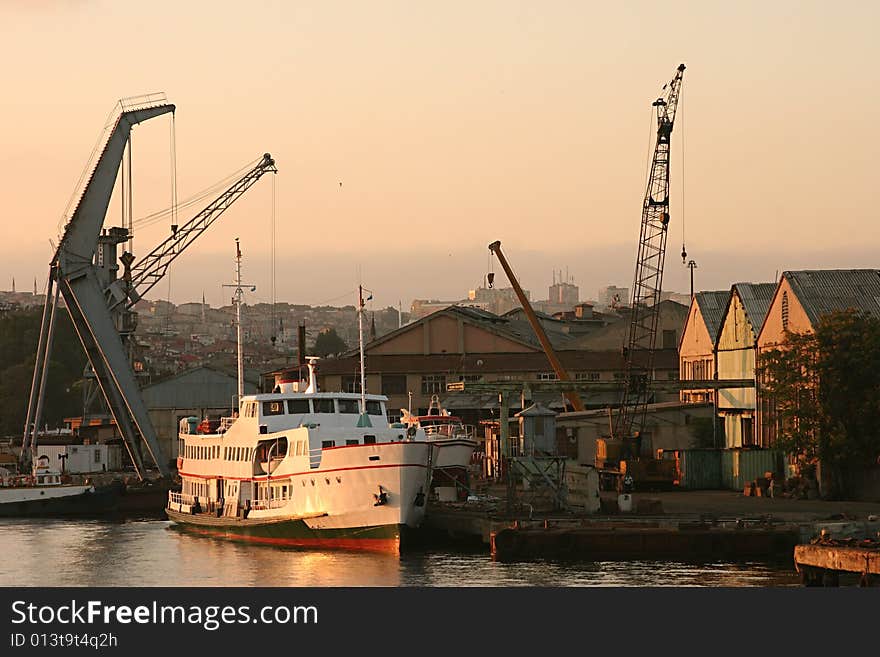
x: 740, y: 466
x: 700, y: 469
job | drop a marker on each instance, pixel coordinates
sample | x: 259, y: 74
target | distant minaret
x: 35, y: 286
x: 203, y: 306
x: 372, y: 326
x: 13, y: 284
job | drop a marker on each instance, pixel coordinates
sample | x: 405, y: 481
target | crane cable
x: 154, y: 217
x: 174, y: 223
x: 681, y: 132
x: 272, y: 332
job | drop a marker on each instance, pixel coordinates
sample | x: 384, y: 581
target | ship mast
x: 236, y: 301
x: 364, y: 420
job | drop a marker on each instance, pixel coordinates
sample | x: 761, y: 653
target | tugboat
x: 43, y: 493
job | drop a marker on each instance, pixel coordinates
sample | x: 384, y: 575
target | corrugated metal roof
x: 201, y: 387
x: 824, y: 291
x: 756, y: 299
x: 712, y: 306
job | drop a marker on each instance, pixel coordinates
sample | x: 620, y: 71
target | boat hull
x: 27, y: 503
x: 453, y: 453
x: 293, y: 532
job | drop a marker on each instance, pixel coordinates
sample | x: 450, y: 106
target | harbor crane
x: 561, y: 374
x: 648, y: 279
x: 83, y: 273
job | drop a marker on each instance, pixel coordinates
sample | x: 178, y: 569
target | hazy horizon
x: 449, y: 127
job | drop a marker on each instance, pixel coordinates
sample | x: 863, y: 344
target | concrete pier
x: 822, y: 564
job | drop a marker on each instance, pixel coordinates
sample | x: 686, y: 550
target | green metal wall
x: 740, y: 466
x: 700, y: 469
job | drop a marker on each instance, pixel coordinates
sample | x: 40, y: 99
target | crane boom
x: 150, y: 269
x: 648, y: 279
x: 573, y: 397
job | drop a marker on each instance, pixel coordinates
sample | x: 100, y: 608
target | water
x: 155, y: 553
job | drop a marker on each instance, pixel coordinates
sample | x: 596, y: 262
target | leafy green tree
x: 19, y: 333
x: 329, y: 343
x: 825, y: 387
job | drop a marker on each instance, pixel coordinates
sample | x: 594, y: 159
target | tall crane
x: 573, y: 397
x: 82, y: 272
x: 648, y: 279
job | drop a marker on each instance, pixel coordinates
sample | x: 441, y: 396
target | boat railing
x: 268, y: 504
x: 181, y: 498
x: 226, y: 423
x: 464, y: 431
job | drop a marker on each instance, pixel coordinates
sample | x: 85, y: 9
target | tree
x: 825, y: 387
x: 19, y: 333
x: 328, y: 342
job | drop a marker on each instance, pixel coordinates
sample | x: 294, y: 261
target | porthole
x: 338, y: 480
x: 327, y: 481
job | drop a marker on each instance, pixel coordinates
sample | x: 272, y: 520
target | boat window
x: 323, y: 405
x: 298, y: 406
x: 353, y: 442
x: 369, y: 440
x: 298, y: 449
x: 374, y: 408
x: 328, y: 443
x: 349, y: 406
x: 273, y: 408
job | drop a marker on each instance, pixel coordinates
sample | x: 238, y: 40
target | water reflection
x: 154, y: 553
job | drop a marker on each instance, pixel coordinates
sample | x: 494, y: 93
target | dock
x: 822, y: 563
x: 614, y: 538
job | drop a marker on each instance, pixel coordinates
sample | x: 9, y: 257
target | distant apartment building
x: 613, y: 296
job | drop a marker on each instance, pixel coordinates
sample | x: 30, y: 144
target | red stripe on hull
x: 306, y: 473
x: 387, y: 545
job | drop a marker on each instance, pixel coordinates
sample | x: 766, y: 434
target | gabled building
x: 472, y: 346
x: 799, y: 302
x: 696, y: 350
x: 736, y: 348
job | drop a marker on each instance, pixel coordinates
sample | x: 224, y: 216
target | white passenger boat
x: 303, y: 468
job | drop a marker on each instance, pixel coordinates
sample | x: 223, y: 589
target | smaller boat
x: 45, y: 493
x: 455, y: 441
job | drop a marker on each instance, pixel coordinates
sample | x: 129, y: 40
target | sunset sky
x: 450, y: 125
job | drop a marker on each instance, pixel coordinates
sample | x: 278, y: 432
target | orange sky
x: 451, y: 125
